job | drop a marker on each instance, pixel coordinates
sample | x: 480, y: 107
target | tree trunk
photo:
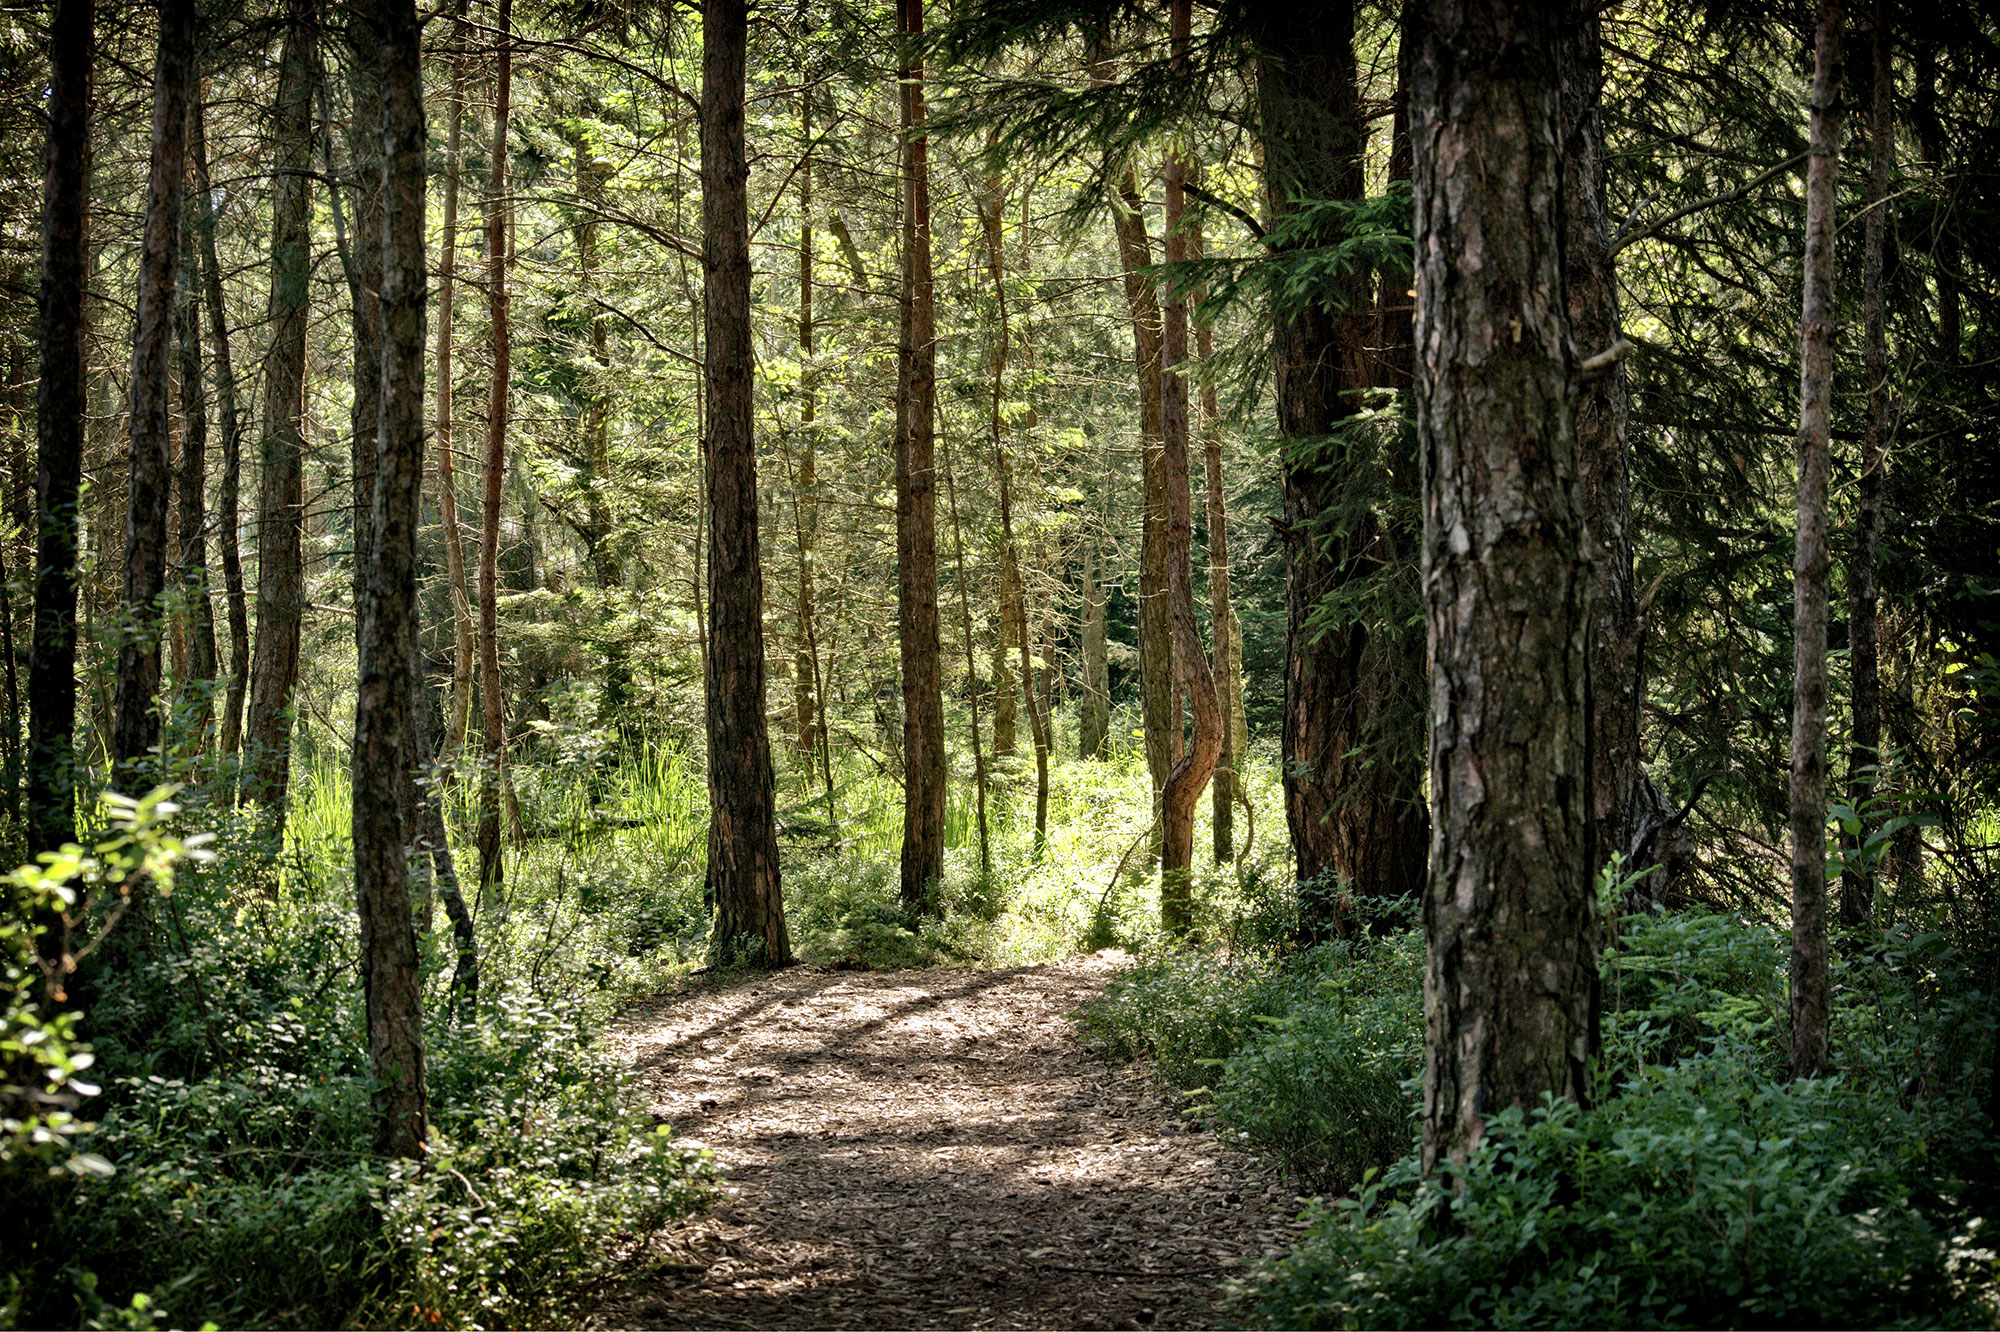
x: 743, y: 873
x: 460, y: 716
x: 385, y: 725
x: 924, y: 771
x: 1811, y: 996
x: 136, y: 724
x: 971, y: 678
x: 1352, y: 730
x: 1225, y: 647
x: 590, y: 175
x: 274, y: 668
x: 1857, y: 888
x: 1093, y: 717
x: 493, y: 714
x: 1511, y: 979
x: 1191, y: 772
x: 228, y: 493
x: 805, y: 503
x: 362, y: 264
x: 190, y: 534
x: 59, y: 404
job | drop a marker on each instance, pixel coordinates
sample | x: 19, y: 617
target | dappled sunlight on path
x: 932, y: 1149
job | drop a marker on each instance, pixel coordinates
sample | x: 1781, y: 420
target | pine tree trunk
x: 1811, y: 996
x: 924, y: 771
x: 59, y: 406
x: 385, y: 748
x: 743, y: 872
x: 1352, y: 729
x: 136, y: 724
x: 462, y: 636
x: 274, y: 666
x: 805, y: 503
x: 601, y: 540
x: 1511, y: 978
x: 493, y: 715
x: 1857, y: 888
x: 1225, y: 656
x: 971, y: 678
x: 190, y: 534
x: 362, y: 264
x: 1093, y: 718
x: 228, y: 491
x: 1191, y: 771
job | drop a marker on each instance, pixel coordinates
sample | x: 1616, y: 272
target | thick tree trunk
x: 1191, y: 772
x: 743, y: 874
x: 59, y: 404
x: 1857, y: 887
x: 924, y: 771
x: 1511, y: 979
x: 1352, y: 735
x: 460, y: 716
x: 493, y: 714
x: 274, y: 667
x: 136, y: 722
x: 1811, y: 996
x: 385, y: 748
x: 229, y: 490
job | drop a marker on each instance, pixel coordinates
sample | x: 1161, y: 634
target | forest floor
x: 935, y: 1148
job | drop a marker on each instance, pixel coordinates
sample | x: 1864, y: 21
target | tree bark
x: 493, y: 716
x: 228, y: 492
x: 1857, y: 888
x: 460, y: 716
x: 385, y: 748
x: 602, y: 543
x: 362, y: 264
x: 1811, y: 995
x: 743, y: 873
x: 1351, y: 740
x: 1512, y: 968
x: 1093, y: 717
x: 191, y: 522
x: 136, y: 722
x: 59, y: 405
x: 1225, y: 645
x: 274, y: 667
x: 1191, y: 772
x: 971, y: 678
x: 924, y: 773
x: 805, y: 504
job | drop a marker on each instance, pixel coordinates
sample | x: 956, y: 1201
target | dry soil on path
x: 934, y: 1148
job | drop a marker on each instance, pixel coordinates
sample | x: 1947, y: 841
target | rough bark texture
x: 460, y: 716
x: 1857, y: 886
x: 362, y: 264
x: 135, y: 730
x: 229, y: 488
x: 274, y: 667
x: 492, y: 710
x: 743, y: 880
x: 191, y: 519
x: 1811, y: 997
x: 1510, y: 986
x: 924, y: 771
x: 1352, y: 771
x: 385, y: 748
x: 59, y: 403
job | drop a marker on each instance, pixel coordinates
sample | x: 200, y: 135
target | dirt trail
x: 932, y: 1149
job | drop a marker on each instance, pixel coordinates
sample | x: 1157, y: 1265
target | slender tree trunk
x: 362, y: 264
x: 604, y: 565
x: 971, y: 677
x: 805, y: 504
x: 228, y: 492
x: 274, y: 667
x: 190, y: 534
x: 1857, y: 889
x: 1511, y: 979
x: 743, y: 873
x: 1093, y: 718
x: 385, y: 725
x: 19, y: 550
x: 136, y: 724
x: 1811, y: 997
x: 1191, y: 772
x: 493, y: 713
x: 462, y: 636
x: 924, y: 772
x: 59, y: 404
x: 1225, y: 647
x: 1352, y: 728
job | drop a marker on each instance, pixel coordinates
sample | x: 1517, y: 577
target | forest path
x: 932, y: 1148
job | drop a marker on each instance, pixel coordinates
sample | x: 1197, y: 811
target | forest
x: 1020, y: 663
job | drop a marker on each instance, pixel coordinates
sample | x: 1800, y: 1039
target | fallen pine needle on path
x: 932, y: 1148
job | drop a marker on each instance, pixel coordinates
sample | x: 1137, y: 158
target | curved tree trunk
x: 743, y: 871
x: 1510, y: 984
x: 274, y: 667
x: 924, y: 773
x: 136, y: 721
